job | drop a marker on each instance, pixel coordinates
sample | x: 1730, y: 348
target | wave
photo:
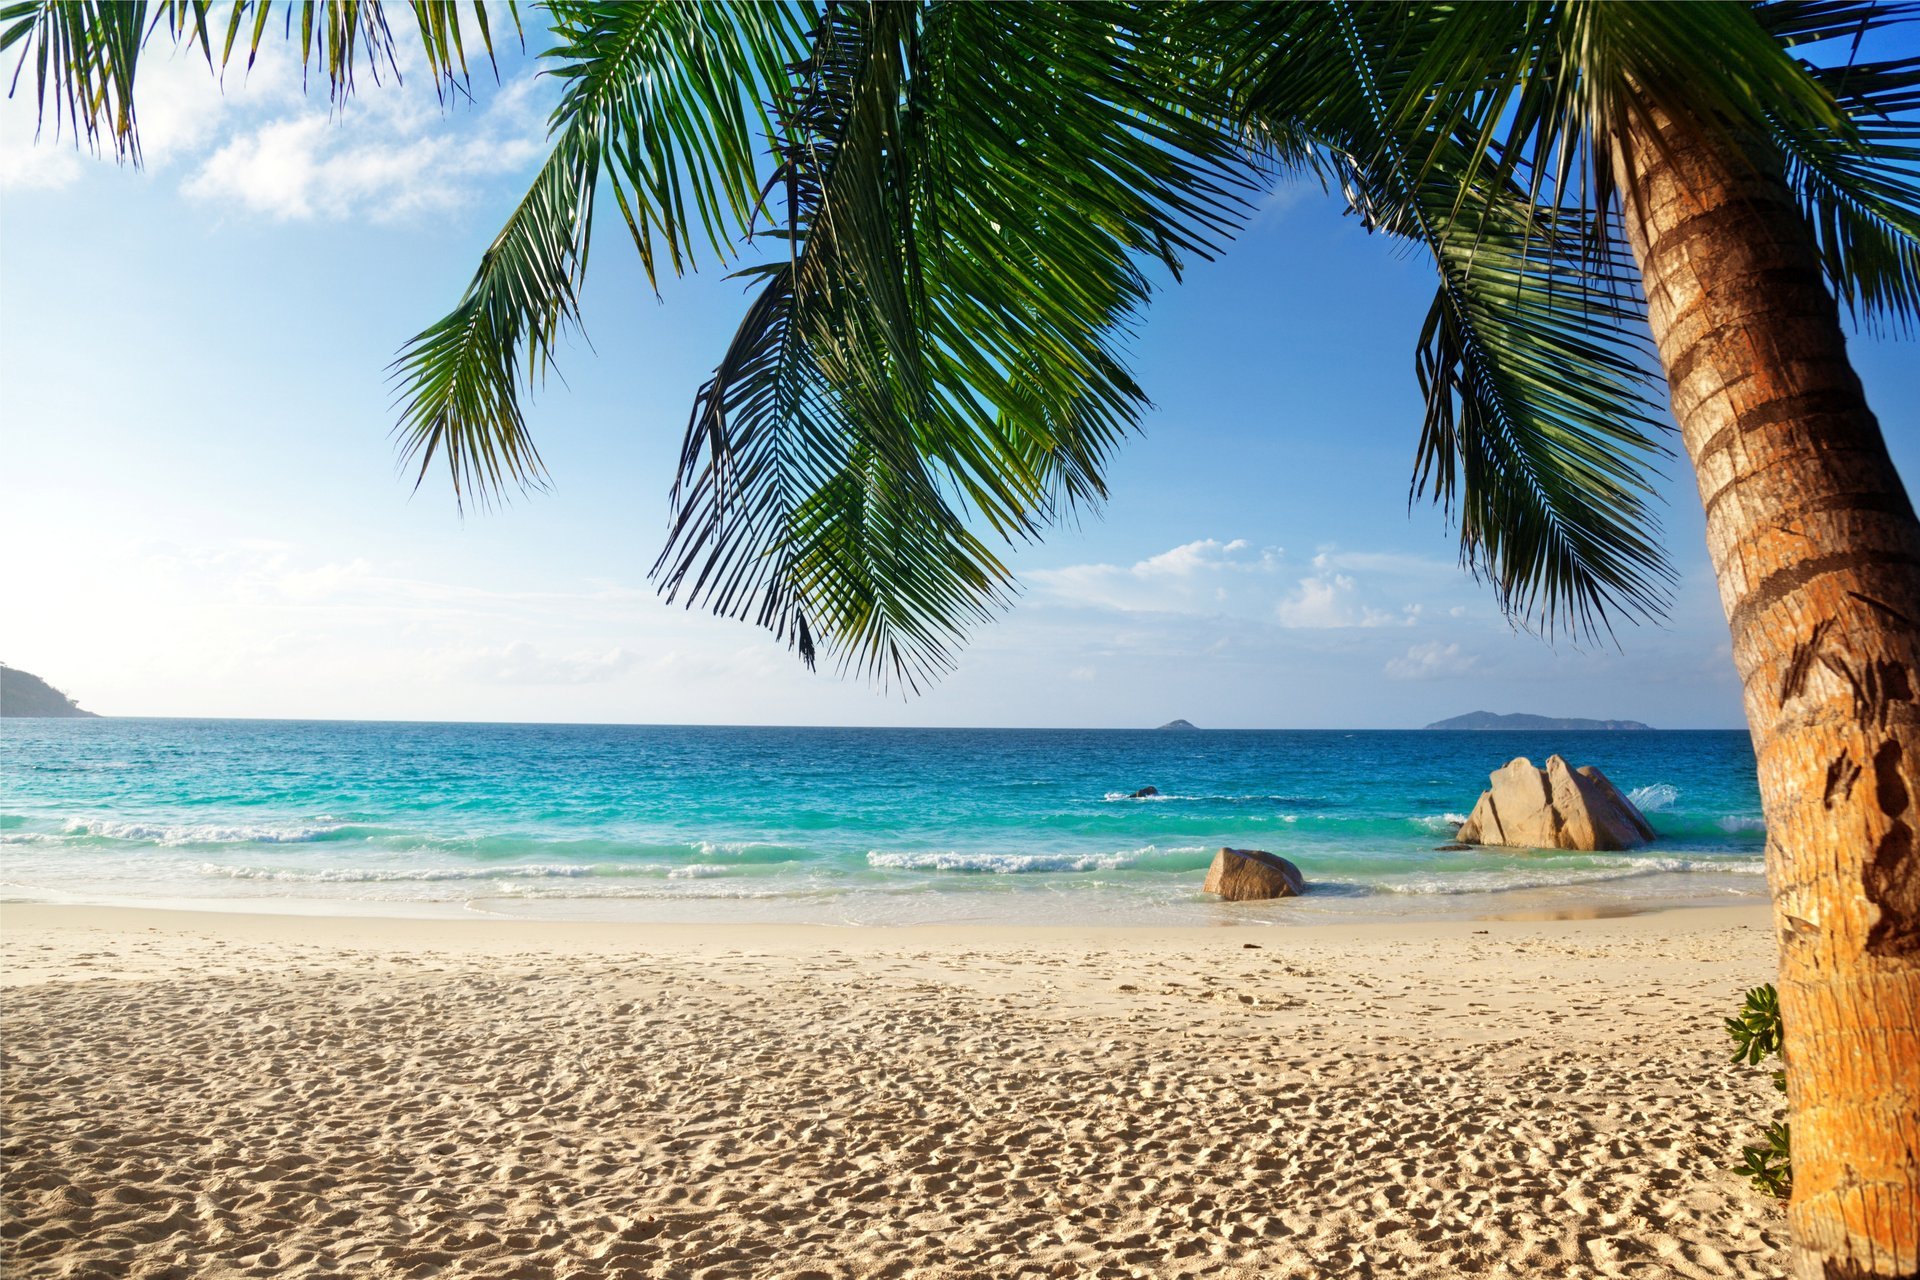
x: 749, y: 850
x: 1627, y: 868
x: 1654, y: 797
x: 398, y: 875
x: 1182, y: 858
x: 1440, y: 822
x: 1738, y: 830
x: 208, y: 833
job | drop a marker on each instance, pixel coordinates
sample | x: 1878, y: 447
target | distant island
x: 24, y: 694
x: 1179, y: 724
x: 1520, y: 720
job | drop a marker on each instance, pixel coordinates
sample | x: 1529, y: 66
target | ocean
x: 862, y: 826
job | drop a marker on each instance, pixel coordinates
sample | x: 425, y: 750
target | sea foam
x: 399, y: 875
x: 1017, y: 863
x: 200, y: 833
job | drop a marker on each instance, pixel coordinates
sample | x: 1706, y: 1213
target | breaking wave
x: 1655, y: 797
x: 402, y: 875
x: 207, y: 833
x: 1016, y: 863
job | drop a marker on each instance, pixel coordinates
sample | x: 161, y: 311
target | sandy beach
x: 215, y: 1095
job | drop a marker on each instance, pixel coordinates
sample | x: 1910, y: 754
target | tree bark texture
x: 1817, y: 553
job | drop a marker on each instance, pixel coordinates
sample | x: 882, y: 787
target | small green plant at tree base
x: 1770, y: 1168
x: 1756, y: 1033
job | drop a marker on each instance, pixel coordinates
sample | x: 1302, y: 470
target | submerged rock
x: 1557, y: 807
x: 1248, y: 875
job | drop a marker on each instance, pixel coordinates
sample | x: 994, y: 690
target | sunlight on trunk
x: 1817, y: 553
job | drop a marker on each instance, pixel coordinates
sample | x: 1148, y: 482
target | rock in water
x: 1144, y: 792
x: 1247, y: 875
x: 1554, y: 808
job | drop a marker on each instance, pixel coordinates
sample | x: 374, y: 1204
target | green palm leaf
x: 85, y: 53
x: 1540, y: 429
x: 660, y: 101
x: 938, y: 352
x: 84, y: 56
x: 1859, y: 185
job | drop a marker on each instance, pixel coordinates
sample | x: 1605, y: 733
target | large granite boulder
x: 1248, y: 875
x: 1554, y: 808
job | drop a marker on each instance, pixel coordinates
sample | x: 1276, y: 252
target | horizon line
x: 934, y: 728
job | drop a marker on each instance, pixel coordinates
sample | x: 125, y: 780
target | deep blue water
x: 869, y: 825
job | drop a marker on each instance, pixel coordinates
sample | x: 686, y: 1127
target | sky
x: 204, y: 515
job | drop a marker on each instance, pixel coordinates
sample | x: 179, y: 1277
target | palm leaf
x: 1541, y: 422
x: 84, y: 56
x: 1859, y: 186
x: 659, y: 101
x: 1540, y: 430
x: 939, y: 351
x: 85, y: 53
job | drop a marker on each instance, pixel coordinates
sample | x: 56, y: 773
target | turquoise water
x: 864, y: 825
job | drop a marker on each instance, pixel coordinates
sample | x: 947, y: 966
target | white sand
x: 227, y: 1095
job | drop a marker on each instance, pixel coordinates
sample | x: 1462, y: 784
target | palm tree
x: 961, y: 202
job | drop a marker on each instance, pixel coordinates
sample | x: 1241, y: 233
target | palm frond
x: 1541, y: 426
x: 84, y: 57
x: 659, y: 101
x: 1859, y: 186
x: 85, y: 53
x: 1540, y: 434
x: 940, y: 349
x: 804, y: 503
x: 459, y: 379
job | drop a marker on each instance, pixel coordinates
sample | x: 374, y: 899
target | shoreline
x: 37, y: 914
x: 1009, y: 905
x: 316, y: 919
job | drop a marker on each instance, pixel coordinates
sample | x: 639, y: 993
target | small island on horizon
x: 1522, y: 720
x: 1179, y: 724
x: 26, y: 695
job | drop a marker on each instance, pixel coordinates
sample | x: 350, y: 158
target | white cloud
x: 255, y: 139
x: 180, y: 107
x: 1431, y: 661
x: 328, y: 581
x: 389, y: 155
x: 1197, y: 557
x: 1352, y: 588
x: 1203, y: 576
x: 26, y: 164
x: 524, y: 663
x: 1329, y: 599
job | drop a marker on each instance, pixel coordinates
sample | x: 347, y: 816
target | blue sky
x: 204, y: 516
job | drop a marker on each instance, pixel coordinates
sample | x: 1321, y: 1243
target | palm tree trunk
x: 1817, y: 553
